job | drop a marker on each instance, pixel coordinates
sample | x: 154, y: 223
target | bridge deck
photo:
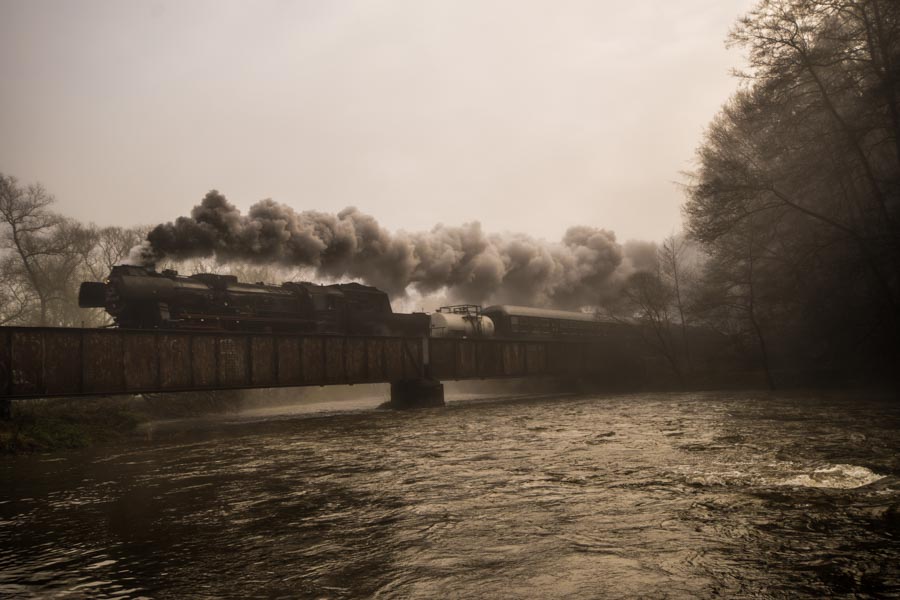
x: 42, y: 362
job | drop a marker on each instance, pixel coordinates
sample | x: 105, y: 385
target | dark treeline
x: 792, y: 246
x: 796, y: 195
x: 791, y: 249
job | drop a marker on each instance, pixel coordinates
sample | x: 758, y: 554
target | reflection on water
x: 684, y: 495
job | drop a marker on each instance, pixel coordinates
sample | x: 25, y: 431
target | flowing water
x: 731, y: 495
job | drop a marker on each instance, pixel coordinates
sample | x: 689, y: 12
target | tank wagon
x: 140, y: 298
x: 461, y: 320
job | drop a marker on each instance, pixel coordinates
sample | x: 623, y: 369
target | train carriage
x: 527, y: 322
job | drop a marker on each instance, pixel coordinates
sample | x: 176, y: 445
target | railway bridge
x: 39, y: 362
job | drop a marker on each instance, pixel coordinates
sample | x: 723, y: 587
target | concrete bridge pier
x: 416, y: 393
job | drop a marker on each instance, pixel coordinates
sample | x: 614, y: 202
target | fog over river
x: 715, y: 494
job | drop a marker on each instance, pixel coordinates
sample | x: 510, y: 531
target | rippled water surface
x: 685, y: 495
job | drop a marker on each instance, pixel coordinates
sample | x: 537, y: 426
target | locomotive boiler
x: 141, y: 298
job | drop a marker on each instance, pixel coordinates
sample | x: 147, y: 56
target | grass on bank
x: 57, y: 424
x: 69, y: 423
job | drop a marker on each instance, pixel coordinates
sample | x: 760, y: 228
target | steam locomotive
x: 141, y: 298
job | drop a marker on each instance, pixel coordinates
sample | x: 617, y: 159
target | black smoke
x: 470, y: 264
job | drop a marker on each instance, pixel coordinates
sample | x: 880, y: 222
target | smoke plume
x: 473, y: 266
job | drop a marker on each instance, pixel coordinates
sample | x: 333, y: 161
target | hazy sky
x: 528, y: 116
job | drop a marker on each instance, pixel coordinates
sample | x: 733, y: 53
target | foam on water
x: 779, y: 473
x: 836, y: 477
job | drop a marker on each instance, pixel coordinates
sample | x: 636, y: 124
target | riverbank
x: 49, y: 424
x: 59, y: 424
x: 46, y: 425
x: 68, y: 423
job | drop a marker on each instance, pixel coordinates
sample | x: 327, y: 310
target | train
x: 140, y: 298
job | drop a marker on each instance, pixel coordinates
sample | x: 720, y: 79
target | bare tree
x: 110, y: 247
x: 15, y: 297
x: 733, y: 298
x: 648, y: 299
x: 672, y: 261
x: 832, y: 53
x: 29, y: 236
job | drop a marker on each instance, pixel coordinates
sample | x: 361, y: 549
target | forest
x: 795, y: 197
x: 791, y: 246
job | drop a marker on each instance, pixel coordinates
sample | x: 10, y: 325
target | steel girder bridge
x: 40, y: 362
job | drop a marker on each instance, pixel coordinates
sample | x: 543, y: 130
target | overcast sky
x: 527, y: 116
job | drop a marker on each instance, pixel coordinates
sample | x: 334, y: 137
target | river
x: 710, y: 495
